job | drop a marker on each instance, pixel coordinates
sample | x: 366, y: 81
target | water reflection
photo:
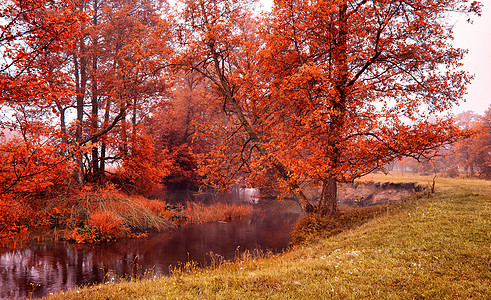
x: 44, y: 268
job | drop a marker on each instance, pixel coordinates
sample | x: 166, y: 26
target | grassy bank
x: 97, y: 215
x: 437, y: 247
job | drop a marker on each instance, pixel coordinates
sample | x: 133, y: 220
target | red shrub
x: 107, y: 225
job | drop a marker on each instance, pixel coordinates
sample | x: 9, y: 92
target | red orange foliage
x: 325, y: 92
x: 315, y: 92
x: 33, y: 37
x: 145, y: 168
x: 107, y: 225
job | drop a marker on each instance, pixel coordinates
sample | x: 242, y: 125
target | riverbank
x: 436, y: 247
x: 100, y: 215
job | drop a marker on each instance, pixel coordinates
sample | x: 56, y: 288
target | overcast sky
x: 476, y: 38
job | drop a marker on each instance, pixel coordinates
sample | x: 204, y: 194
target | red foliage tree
x: 117, y: 68
x: 33, y: 82
x: 99, y: 61
x: 174, y: 125
x: 474, y: 153
x: 338, y: 89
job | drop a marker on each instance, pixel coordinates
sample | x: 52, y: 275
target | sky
x: 475, y: 37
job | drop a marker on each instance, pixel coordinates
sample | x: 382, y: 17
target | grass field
x: 437, y: 247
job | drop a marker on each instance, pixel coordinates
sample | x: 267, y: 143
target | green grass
x: 436, y: 248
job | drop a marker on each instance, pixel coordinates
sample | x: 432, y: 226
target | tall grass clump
x: 107, y: 225
x: 136, y: 213
x: 199, y: 213
x: 98, y: 215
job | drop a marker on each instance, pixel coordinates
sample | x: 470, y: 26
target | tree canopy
x: 147, y: 94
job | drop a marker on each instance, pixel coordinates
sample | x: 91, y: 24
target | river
x: 43, y: 268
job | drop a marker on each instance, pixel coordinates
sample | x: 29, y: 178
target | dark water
x: 41, y: 269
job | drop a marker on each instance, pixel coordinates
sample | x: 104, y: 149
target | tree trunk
x: 124, y: 135
x: 102, y: 166
x: 328, y: 204
x: 94, y: 122
x: 80, y: 85
x: 94, y: 101
x: 328, y: 201
x: 133, y: 128
x: 64, y: 138
x: 299, y: 196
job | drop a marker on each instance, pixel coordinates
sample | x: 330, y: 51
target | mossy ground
x: 437, y: 247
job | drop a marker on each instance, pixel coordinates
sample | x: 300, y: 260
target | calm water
x: 41, y: 269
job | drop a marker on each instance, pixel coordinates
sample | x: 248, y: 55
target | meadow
x: 435, y: 247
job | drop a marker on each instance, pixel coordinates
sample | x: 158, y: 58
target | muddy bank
x: 373, y: 193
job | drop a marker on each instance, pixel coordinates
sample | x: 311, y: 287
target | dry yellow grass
x: 198, y: 213
x: 435, y: 248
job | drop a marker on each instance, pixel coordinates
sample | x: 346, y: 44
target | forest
x: 107, y: 105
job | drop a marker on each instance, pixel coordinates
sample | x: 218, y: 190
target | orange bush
x: 13, y: 214
x: 145, y: 169
x: 107, y: 225
x: 13, y: 219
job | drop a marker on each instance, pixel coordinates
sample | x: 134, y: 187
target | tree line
x: 469, y: 157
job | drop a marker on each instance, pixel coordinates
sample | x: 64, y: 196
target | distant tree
x: 474, y: 154
x: 467, y: 118
x: 485, y: 145
x: 174, y: 124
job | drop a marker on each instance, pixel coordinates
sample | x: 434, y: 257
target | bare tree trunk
x: 95, y: 150
x: 62, y: 123
x: 102, y: 165
x: 124, y: 133
x: 133, y: 128
x: 80, y: 85
x: 94, y: 101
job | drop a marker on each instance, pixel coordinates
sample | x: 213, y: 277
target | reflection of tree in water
x: 60, y: 266
x: 236, y: 194
x: 42, y: 269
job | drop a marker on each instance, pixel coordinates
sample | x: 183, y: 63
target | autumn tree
x: 337, y: 89
x: 366, y: 78
x: 174, y: 125
x: 78, y: 76
x: 118, y: 73
x: 33, y: 82
x: 473, y: 155
x: 220, y: 42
